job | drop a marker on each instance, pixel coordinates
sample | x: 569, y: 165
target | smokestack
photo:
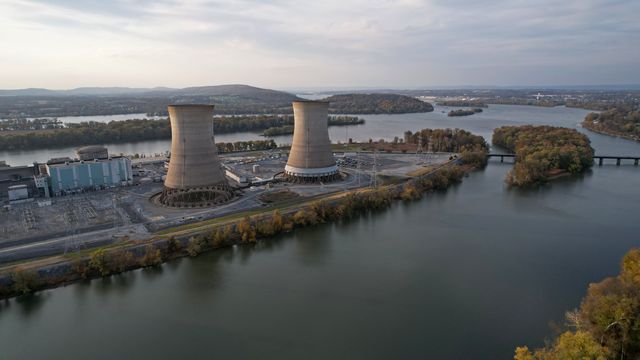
x: 311, y: 158
x: 195, y: 176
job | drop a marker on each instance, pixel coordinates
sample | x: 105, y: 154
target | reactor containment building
x: 195, y: 177
x: 311, y: 159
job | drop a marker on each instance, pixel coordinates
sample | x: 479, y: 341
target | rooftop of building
x: 69, y: 161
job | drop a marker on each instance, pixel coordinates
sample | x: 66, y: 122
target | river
x: 376, y: 127
x: 470, y: 273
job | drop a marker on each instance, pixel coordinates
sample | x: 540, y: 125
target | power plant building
x: 311, y: 158
x: 78, y: 175
x: 195, y: 176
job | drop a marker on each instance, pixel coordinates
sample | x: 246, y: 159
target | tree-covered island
x: 543, y: 152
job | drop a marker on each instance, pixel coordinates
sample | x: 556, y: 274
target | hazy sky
x: 288, y: 43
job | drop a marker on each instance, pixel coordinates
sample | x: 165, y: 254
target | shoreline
x: 609, y: 133
x: 243, y: 228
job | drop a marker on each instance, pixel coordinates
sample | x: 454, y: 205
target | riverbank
x: 608, y: 132
x: 243, y: 228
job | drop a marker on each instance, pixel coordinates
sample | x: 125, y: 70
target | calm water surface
x: 470, y: 273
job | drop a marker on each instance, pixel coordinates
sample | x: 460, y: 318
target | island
x: 543, y: 152
x: 376, y: 104
x: 464, y: 112
x: 622, y: 120
x: 91, y: 133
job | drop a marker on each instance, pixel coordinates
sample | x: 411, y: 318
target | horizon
x: 304, y: 88
x: 66, y: 44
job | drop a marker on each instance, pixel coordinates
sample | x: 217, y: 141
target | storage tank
x: 311, y: 159
x: 195, y: 176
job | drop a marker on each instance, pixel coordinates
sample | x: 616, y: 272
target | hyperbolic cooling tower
x: 311, y: 159
x: 195, y: 176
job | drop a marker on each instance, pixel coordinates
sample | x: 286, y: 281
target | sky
x: 62, y: 44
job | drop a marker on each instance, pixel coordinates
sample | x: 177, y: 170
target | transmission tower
x: 72, y: 241
x: 375, y: 169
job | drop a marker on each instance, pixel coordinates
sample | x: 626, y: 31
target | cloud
x: 67, y: 43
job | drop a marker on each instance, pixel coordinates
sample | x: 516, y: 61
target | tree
x: 194, y: 248
x: 277, y: 221
x: 569, y: 346
x: 24, y: 281
x: 98, y: 262
x: 246, y: 230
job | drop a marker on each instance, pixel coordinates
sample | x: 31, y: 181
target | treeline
x: 607, y: 323
x: 464, y: 112
x: 621, y: 121
x: 376, y: 104
x: 446, y: 140
x: 250, y: 145
x: 91, y: 133
x: 30, y: 124
x: 333, y: 121
x: 105, y: 262
x: 543, y: 150
x: 463, y: 103
x: 473, y: 149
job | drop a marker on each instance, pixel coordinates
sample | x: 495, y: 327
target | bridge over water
x: 599, y: 158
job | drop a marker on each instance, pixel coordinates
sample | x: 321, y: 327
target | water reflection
x: 29, y: 305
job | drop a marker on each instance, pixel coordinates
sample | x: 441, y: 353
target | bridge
x: 599, y: 158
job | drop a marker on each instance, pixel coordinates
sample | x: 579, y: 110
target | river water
x: 376, y: 127
x: 470, y: 273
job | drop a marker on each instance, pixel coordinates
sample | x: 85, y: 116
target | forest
x: 607, y: 323
x: 543, y: 151
x: 623, y: 120
x: 91, y: 133
x: 376, y: 104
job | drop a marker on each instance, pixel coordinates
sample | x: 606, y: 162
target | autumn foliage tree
x: 607, y: 324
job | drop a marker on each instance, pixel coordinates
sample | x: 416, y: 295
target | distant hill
x: 376, y: 104
x: 229, y: 99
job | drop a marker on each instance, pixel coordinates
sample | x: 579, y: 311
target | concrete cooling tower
x: 311, y: 158
x: 195, y: 176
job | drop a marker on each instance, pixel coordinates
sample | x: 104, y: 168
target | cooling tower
x: 195, y: 176
x: 311, y: 159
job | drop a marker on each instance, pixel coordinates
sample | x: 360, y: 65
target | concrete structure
x: 16, y: 175
x: 78, y: 175
x: 195, y: 176
x: 18, y: 193
x: 92, y: 153
x: 311, y: 159
x: 42, y: 184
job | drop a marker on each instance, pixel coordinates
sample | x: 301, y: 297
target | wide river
x: 467, y: 274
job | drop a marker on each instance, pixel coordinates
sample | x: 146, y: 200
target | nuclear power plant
x: 195, y: 176
x: 311, y: 159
